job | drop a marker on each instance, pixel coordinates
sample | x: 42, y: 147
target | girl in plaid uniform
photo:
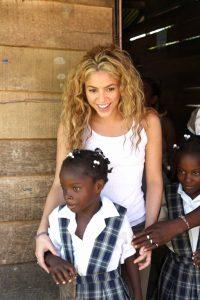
x: 180, y: 275
x: 91, y: 234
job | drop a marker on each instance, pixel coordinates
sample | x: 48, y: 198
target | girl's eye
x: 76, y: 188
x: 181, y: 172
x: 196, y: 173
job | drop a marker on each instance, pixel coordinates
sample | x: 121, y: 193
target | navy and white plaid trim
x: 98, y: 284
x: 66, y: 238
x: 104, y: 286
x: 179, y: 278
x: 105, y: 243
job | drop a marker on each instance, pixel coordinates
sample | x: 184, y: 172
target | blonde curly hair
x: 76, y: 114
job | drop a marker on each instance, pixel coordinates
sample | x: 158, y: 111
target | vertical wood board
x: 30, y: 69
x: 27, y: 157
x: 23, y: 96
x: 52, y: 24
x: 29, y: 120
x: 23, y: 198
x: 17, y: 242
x: 101, y: 3
x: 27, y: 281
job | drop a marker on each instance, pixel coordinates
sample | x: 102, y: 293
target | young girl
x: 103, y: 108
x: 180, y: 275
x: 91, y: 234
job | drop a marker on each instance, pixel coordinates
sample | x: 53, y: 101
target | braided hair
x: 190, y: 144
x: 89, y: 163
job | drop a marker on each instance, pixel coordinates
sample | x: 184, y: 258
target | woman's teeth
x: 103, y: 105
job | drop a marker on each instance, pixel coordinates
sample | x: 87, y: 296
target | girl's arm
x: 54, y: 198
x: 134, y: 277
x: 153, y: 165
x: 163, y: 231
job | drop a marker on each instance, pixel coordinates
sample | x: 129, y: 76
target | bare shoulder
x: 151, y: 120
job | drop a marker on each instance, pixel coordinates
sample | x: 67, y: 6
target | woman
x: 103, y: 108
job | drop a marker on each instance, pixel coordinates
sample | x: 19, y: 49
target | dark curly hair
x: 89, y: 163
x: 190, y: 144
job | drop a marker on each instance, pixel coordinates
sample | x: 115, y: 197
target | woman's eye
x: 92, y: 90
x: 110, y: 89
x: 76, y: 188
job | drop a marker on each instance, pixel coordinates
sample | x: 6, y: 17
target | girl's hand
x: 43, y: 244
x: 158, y: 234
x: 61, y: 270
x: 144, y: 258
x: 196, y: 258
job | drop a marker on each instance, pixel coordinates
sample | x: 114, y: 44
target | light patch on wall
x: 59, y: 60
x: 61, y: 76
x: 16, y: 153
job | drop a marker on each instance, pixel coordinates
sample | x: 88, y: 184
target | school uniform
x: 180, y: 279
x: 106, y: 244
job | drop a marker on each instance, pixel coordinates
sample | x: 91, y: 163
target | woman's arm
x: 54, y: 198
x: 153, y: 166
x: 154, y: 183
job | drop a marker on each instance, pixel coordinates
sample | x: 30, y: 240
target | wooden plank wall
x: 39, y: 42
x: 176, y: 66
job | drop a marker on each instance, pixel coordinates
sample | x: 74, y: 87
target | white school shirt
x: 83, y: 247
x: 127, y: 159
x: 189, y: 205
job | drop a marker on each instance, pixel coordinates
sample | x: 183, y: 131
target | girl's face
x: 81, y: 193
x: 103, y: 94
x: 188, y: 172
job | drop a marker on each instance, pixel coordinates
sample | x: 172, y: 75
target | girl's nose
x: 188, y: 178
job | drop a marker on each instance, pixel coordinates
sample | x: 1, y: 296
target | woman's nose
x: 102, y: 97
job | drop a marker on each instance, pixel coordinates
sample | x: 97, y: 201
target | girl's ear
x: 99, y: 185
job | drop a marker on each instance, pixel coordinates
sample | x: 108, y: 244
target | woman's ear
x: 99, y: 185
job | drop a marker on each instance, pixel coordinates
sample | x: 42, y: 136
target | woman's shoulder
x: 151, y: 122
x: 151, y: 117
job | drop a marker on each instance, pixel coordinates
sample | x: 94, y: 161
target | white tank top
x: 125, y: 182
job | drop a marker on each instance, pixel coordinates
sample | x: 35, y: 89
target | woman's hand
x: 61, y: 270
x: 144, y: 259
x: 43, y: 244
x: 158, y: 234
x: 196, y: 258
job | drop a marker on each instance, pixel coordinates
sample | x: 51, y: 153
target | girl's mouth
x: 71, y: 205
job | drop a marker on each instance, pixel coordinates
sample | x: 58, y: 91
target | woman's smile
x: 103, y: 94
